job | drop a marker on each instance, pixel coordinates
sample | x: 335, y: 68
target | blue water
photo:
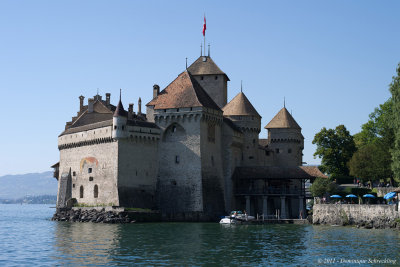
x: 29, y: 238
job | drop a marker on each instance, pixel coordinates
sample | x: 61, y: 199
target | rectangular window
x: 277, y: 150
x: 73, y: 173
x: 177, y: 159
x: 89, y: 170
x: 90, y: 178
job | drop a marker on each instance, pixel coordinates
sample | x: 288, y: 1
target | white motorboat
x: 236, y: 217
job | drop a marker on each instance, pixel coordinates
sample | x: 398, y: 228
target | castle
x: 192, y: 155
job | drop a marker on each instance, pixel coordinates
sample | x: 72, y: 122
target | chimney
x: 156, y: 90
x: 140, y: 106
x: 81, y: 98
x: 90, y: 105
x: 130, y: 111
x: 108, y: 96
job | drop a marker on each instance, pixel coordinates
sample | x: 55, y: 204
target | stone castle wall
x: 179, y: 179
x: 216, y: 87
x: 211, y: 164
x: 290, y: 144
x: 91, y: 165
x: 137, y: 171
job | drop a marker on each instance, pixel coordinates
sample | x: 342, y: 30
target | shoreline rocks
x: 92, y: 215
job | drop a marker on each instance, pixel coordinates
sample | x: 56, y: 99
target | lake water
x: 28, y: 237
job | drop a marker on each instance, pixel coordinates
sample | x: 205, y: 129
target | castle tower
x: 119, y: 121
x: 246, y: 117
x: 211, y: 78
x: 190, y: 178
x: 285, y: 139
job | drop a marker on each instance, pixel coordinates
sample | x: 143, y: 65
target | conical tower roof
x: 183, y: 92
x: 240, y: 106
x: 283, y: 120
x: 119, y: 110
x: 204, y: 65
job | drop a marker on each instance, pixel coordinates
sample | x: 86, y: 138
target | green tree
x: 395, y: 91
x: 371, y: 162
x: 379, y: 127
x: 335, y: 147
x: 321, y: 186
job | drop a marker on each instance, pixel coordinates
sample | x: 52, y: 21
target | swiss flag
x: 204, y: 26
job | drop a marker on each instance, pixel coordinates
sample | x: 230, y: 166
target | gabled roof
x: 205, y: 66
x: 240, y: 105
x: 283, y: 120
x: 183, y: 92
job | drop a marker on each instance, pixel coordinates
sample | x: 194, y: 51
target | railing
x: 268, y: 191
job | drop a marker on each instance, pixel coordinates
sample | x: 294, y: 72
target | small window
x: 165, y: 110
x: 91, y: 178
x: 216, y: 77
x: 289, y: 150
x: 73, y: 185
x: 173, y: 129
x: 251, y: 157
x: 191, y: 109
x: 266, y: 153
x: 123, y: 127
x: 115, y: 127
x: 81, y: 191
x: 89, y: 170
x: 212, y: 160
x: 173, y: 182
x: 254, y: 141
x: 96, y: 191
x: 201, y: 78
x: 177, y: 110
x: 177, y: 159
x: 277, y: 150
x: 73, y: 173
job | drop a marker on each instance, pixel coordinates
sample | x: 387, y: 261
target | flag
x: 204, y: 26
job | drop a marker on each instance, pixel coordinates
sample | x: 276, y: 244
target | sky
x: 332, y: 61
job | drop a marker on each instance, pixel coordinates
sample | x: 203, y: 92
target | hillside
x: 31, y: 184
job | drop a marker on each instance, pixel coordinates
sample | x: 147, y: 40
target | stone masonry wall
x: 179, y: 179
x: 137, y: 172
x: 91, y: 165
x: 376, y: 216
x: 212, y: 167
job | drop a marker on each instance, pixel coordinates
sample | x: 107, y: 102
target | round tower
x: 242, y: 113
x: 285, y: 139
x: 119, y: 121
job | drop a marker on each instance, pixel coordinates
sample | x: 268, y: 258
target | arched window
x: 81, y: 191
x: 96, y: 191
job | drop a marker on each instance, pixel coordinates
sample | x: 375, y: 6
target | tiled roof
x: 205, y: 66
x: 300, y: 172
x: 183, y: 92
x: 283, y: 120
x: 89, y: 118
x: 87, y: 127
x: 240, y: 105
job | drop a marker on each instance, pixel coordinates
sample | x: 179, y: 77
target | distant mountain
x: 19, y: 186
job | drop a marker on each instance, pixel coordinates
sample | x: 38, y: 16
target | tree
x: 321, y: 186
x: 395, y: 91
x: 371, y: 162
x: 335, y: 147
x: 379, y: 127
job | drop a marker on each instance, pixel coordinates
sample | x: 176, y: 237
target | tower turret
x: 211, y: 78
x: 119, y: 121
x: 245, y: 116
x: 285, y: 139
